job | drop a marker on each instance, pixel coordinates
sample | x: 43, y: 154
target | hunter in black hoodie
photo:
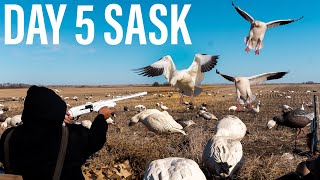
x: 34, y: 145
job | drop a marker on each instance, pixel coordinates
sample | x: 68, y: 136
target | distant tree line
x: 309, y: 82
x: 157, y: 84
x: 13, y: 85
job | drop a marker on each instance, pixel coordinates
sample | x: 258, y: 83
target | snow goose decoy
x: 232, y: 108
x: 232, y: 127
x: 12, y: 122
x: 142, y: 115
x: 187, y: 80
x: 185, y: 122
x: 173, y: 168
x: 244, y: 93
x: 223, y: 156
x: 162, y: 122
x: 258, y: 28
x: 207, y: 116
x: 163, y: 107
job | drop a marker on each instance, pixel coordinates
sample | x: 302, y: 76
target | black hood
x: 43, y: 107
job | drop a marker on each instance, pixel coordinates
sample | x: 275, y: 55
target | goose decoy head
x: 225, y: 168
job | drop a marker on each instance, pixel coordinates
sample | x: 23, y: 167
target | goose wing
x: 276, y: 23
x: 164, y: 66
x: 259, y: 79
x: 202, y: 63
x: 227, y: 77
x: 244, y: 14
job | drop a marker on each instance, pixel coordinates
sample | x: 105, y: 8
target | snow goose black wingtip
x: 276, y: 23
x: 242, y: 13
x: 149, y: 71
x: 227, y: 77
x: 277, y: 75
x: 212, y: 62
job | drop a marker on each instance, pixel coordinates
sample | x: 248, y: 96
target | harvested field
x: 130, y: 149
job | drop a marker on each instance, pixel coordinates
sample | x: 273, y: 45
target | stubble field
x: 129, y: 150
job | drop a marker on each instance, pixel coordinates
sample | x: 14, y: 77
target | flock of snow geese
x: 223, y: 154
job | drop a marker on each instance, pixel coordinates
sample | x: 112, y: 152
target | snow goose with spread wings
x: 244, y: 93
x: 258, y: 28
x: 186, y: 80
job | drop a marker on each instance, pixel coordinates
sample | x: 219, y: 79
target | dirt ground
x: 128, y: 150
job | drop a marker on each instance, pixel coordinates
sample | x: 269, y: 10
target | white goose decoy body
x: 223, y: 156
x: 162, y: 122
x: 173, y: 168
x: 232, y: 127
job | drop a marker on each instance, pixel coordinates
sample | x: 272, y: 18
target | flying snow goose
x: 258, y: 28
x: 186, y: 80
x: 244, y: 93
x: 173, y: 168
x: 223, y: 156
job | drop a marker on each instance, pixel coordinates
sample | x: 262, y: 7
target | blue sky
x: 214, y: 28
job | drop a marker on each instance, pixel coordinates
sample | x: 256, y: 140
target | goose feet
x: 249, y: 106
x: 238, y: 108
x: 257, y: 52
x: 247, y: 49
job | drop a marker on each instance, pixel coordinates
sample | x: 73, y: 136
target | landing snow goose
x: 223, y: 156
x: 187, y: 80
x: 244, y: 93
x: 232, y: 127
x: 254, y: 40
x: 173, y: 168
x: 162, y: 122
